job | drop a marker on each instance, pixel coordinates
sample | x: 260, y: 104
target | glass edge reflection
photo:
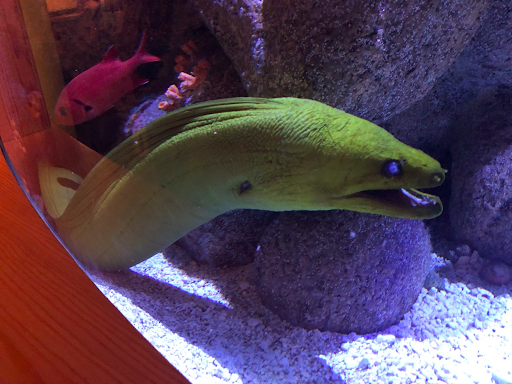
x: 27, y: 194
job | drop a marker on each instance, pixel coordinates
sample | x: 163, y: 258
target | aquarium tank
x: 278, y: 191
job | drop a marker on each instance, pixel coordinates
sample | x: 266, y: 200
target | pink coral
x: 166, y: 106
x: 188, y: 82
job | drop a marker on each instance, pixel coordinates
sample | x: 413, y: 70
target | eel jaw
x: 406, y: 203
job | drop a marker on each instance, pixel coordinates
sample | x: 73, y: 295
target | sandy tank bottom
x: 210, y: 324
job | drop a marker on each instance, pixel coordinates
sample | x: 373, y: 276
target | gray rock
x: 228, y: 240
x: 385, y: 338
x: 313, y: 274
x: 484, y: 63
x: 481, y: 201
x: 496, y: 272
x: 364, y: 363
x: 368, y: 57
x: 463, y: 250
x: 433, y: 280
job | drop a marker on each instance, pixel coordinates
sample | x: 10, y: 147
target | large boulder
x: 486, y: 61
x: 228, y: 240
x: 342, y: 271
x: 367, y: 57
x: 484, y: 64
x: 481, y: 201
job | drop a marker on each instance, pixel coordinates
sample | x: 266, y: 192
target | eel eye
x: 392, y: 168
x: 63, y: 111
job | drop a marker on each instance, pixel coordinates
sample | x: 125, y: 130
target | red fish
x: 95, y: 90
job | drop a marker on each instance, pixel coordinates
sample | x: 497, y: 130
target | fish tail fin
x: 142, y: 43
x: 58, y: 186
x: 141, y: 55
x: 145, y: 66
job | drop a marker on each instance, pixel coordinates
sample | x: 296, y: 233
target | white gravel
x: 210, y: 324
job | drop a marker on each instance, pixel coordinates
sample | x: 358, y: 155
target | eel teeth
x: 415, y: 201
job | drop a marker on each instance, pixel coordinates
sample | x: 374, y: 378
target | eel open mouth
x: 411, y: 197
x: 406, y: 203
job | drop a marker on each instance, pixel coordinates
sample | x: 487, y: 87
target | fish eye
x: 392, y: 168
x: 63, y: 111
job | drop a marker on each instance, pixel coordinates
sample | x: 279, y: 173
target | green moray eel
x: 193, y: 164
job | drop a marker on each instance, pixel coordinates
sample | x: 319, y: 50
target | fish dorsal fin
x: 111, y: 55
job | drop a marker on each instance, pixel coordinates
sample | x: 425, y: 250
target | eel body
x: 191, y: 165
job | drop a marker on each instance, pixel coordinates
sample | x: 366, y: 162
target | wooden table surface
x: 55, y: 325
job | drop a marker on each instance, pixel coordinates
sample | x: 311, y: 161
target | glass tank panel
x: 277, y: 192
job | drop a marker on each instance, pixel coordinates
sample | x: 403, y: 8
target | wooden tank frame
x: 55, y: 324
